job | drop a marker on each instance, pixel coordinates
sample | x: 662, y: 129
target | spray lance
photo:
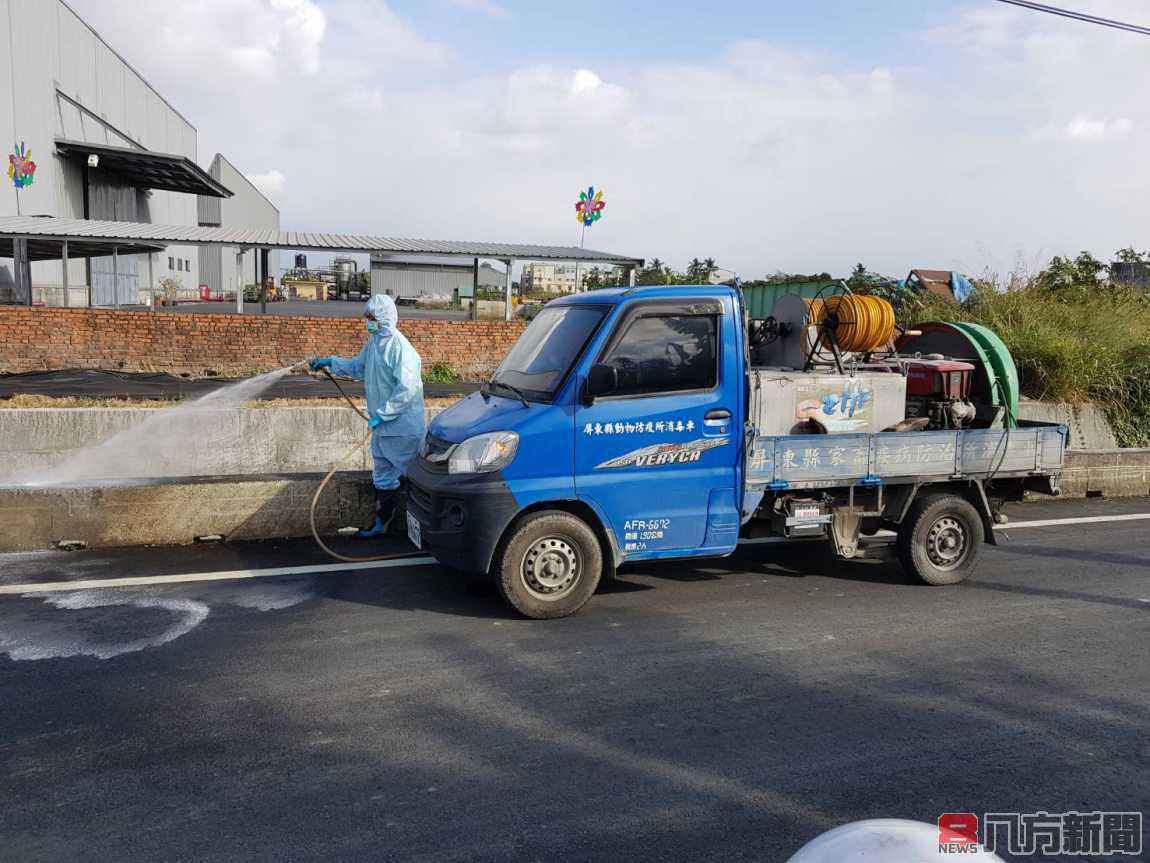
x: 302, y: 367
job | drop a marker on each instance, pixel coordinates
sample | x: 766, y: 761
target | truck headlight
x: 483, y: 453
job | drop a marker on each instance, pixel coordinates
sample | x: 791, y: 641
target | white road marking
x: 225, y: 575
x: 234, y: 574
x: 1014, y: 525
x: 1086, y: 519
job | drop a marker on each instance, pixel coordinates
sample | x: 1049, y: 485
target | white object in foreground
x: 882, y: 840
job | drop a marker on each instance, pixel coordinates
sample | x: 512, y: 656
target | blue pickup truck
x: 628, y: 425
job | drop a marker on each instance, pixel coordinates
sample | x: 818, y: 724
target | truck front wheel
x: 940, y: 539
x: 549, y: 565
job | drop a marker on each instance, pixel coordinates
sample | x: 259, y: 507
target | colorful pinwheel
x: 589, y: 207
x: 21, y: 168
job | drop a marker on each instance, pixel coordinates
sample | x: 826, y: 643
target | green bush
x: 441, y: 373
x: 1069, y: 345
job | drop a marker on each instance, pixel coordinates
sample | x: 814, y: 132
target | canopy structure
x: 124, y: 233
x: 144, y: 168
x: 27, y: 238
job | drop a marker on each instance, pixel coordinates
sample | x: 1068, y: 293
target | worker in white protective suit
x: 393, y: 374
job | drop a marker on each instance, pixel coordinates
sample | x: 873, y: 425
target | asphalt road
x: 727, y: 710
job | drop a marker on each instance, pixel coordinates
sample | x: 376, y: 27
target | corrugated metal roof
x: 191, y: 235
x: 147, y: 168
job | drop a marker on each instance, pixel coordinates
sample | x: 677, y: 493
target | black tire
x: 549, y: 566
x: 940, y: 539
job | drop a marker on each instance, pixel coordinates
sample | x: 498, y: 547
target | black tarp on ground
x: 94, y: 383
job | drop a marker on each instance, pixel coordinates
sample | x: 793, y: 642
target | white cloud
x: 967, y: 149
x: 584, y: 80
x: 486, y: 7
x: 365, y: 99
x: 269, y: 182
x: 261, y: 39
x: 1085, y: 128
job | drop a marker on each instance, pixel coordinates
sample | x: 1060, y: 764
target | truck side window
x: 666, y: 353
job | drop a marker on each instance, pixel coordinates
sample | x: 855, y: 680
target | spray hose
x: 327, y: 479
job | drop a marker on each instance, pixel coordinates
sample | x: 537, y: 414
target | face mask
x: 372, y: 327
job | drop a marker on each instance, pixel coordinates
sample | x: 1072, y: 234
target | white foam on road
x: 323, y: 568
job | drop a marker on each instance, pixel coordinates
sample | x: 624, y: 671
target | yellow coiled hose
x: 862, y: 323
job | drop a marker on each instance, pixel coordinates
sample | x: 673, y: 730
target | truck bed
x: 825, y: 461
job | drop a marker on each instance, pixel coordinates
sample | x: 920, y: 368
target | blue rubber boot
x: 384, y: 514
x: 375, y: 530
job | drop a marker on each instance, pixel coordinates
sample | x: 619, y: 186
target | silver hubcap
x: 946, y: 543
x: 551, y: 567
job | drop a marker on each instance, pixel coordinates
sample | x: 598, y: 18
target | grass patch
x: 1069, y: 346
x: 441, y: 373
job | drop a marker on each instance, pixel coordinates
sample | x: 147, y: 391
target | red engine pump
x: 939, y: 389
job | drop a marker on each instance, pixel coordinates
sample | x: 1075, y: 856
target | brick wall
x: 34, y: 339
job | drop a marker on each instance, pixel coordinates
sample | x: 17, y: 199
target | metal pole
x: 116, y: 276
x: 151, y: 283
x: 239, y: 282
x: 263, y: 281
x: 582, y: 237
x: 23, y: 277
x: 507, y: 292
x: 65, y: 279
x: 475, y: 289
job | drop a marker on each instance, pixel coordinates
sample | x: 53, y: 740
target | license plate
x: 413, y: 531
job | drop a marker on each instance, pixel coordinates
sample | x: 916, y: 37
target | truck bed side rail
x: 824, y: 461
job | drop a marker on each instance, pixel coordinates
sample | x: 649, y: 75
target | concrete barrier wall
x: 1106, y: 473
x: 261, y: 445
x: 1089, y: 428
x: 284, y: 440
x: 177, y: 512
x: 278, y: 440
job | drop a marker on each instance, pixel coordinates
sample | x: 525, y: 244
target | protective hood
x: 383, y: 308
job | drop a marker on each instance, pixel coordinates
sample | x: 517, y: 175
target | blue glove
x: 375, y: 421
x: 318, y: 363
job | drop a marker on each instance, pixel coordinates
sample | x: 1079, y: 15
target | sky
x: 793, y: 136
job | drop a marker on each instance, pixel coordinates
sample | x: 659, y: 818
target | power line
x: 1080, y: 16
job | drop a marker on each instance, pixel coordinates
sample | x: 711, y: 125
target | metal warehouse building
x: 105, y: 145
x: 228, y: 269
x: 409, y: 276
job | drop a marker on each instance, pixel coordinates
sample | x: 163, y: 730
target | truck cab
x: 612, y: 431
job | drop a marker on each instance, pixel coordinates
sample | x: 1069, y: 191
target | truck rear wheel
x: 940, y: 539
x: 549, y: 566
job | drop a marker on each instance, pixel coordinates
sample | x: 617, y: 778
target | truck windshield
x: 545, y: 352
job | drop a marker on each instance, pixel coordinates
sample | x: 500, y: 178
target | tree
x: 593, y: 280
x: 655, y: 273
x: 1083, y: 275
x: 1130, y: 256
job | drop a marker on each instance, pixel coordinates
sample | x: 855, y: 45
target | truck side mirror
x: 602, y: 380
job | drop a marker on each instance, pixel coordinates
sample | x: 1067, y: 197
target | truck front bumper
x: 461, y: 517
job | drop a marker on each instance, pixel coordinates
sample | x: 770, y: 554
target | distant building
x: 410, y: 277
x: 540, y: 278
x: 229, y: 269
